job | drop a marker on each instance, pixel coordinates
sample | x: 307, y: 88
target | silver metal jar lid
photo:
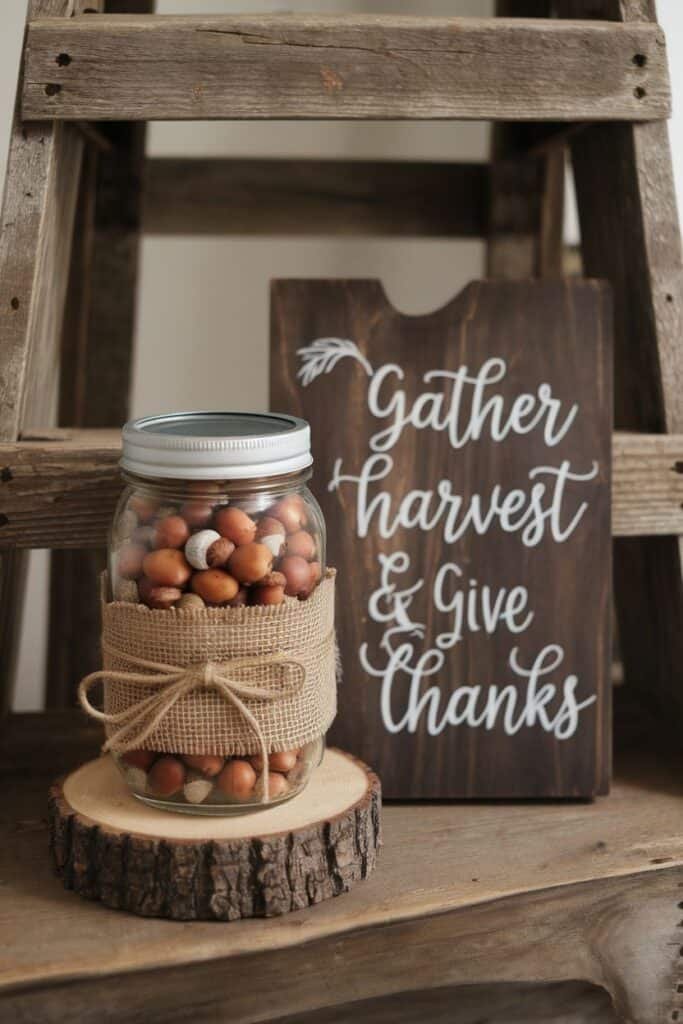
x: 216, y: 445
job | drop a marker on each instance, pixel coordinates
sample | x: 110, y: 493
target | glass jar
x: 216, y: 512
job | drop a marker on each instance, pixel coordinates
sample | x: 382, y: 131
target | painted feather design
x: 323, y: 354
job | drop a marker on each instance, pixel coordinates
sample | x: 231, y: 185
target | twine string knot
x: 171, y: 683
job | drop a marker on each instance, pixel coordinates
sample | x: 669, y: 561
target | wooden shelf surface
x: 297, y: 66
x: 463, y: 893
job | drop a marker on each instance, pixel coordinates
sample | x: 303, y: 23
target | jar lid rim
x: 202, y: 445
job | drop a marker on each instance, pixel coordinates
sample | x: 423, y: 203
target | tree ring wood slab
x: 108, y: 846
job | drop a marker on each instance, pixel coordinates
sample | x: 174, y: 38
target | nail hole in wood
x: 639, y: 92
x: 63, y: 59
x: 6, y: 474
x: 669, y: 298
x: 639, y: 59
x: 674, y: 1015
x: 14, y: 302
x: 678, y: 466
x: 4, y: 520
x: 52, y: 88
x: 679, y: 988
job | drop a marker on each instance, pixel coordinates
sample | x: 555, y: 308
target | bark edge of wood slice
x: 107, y: 846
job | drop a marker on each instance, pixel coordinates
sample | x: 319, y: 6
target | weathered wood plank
x: 630, y: 236
x: 314, y: 197
x: 343, y: 66
x: 647, y: 484
x: 35, y: 241
x: 95, y: 370
x: 59, y: 493
x: 59, y: 489
x: 595, y: 901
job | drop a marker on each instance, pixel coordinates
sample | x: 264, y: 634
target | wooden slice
x: 108, y: 846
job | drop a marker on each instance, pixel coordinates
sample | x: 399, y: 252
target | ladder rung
x: 294, y: 66
x: 315, y: 197
x: 58, y: 489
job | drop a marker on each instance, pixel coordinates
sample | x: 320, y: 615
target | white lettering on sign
x: 468, y: 409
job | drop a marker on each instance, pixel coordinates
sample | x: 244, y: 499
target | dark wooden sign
x: 462, y: 461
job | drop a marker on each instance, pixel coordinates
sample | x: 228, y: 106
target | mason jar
x: 216, y: 513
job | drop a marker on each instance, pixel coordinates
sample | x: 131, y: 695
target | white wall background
x: 202, y: 297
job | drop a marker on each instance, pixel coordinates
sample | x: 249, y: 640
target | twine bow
x: 171, y: 683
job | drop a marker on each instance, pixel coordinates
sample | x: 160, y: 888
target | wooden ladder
x: 74, y: 206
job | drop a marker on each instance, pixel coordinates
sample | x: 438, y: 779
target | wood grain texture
x: 95, y: 370
x: 224, y: 875
x: 314, y: 197
x: 630, y: 236
x: 557, y: 332
x: 526, y: 196
x: 476, y: 894
x: 59, y: 488
x: 36, y: 219
x: 509, y: 1003
x: 343, y: 66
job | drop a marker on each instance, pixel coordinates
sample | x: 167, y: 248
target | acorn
x: 197, y: 514
x: 301, y: 543
x: 237, y: 779
x: 282, y: 761
x: 269, y: 590
x: 197, y: 789
x: 166, y: 776
x: 142, y: 759
x: 207, y: 765
x: 214, y: 586
x: 271, y: 532
x: 171, y: 532
x: 236, y: 525
x: 277, y: 785
x: 162, y: 598
x: 167, y: 567
x: 208, y: 550
x: 191, y: 601
x: 250, y: 562
x: 291, y: 511
x: 298, y: 574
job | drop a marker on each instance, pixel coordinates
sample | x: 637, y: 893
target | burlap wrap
x: 301, y: 682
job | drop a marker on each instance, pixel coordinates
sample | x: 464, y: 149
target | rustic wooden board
x: 38, y: 205
x: 463, y: 895
x: 107, y: 846
x: 343, y: 66
x: 95, y: 368
x: 556, y: 332
x: 631, y: 236
x: 225, y: 196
